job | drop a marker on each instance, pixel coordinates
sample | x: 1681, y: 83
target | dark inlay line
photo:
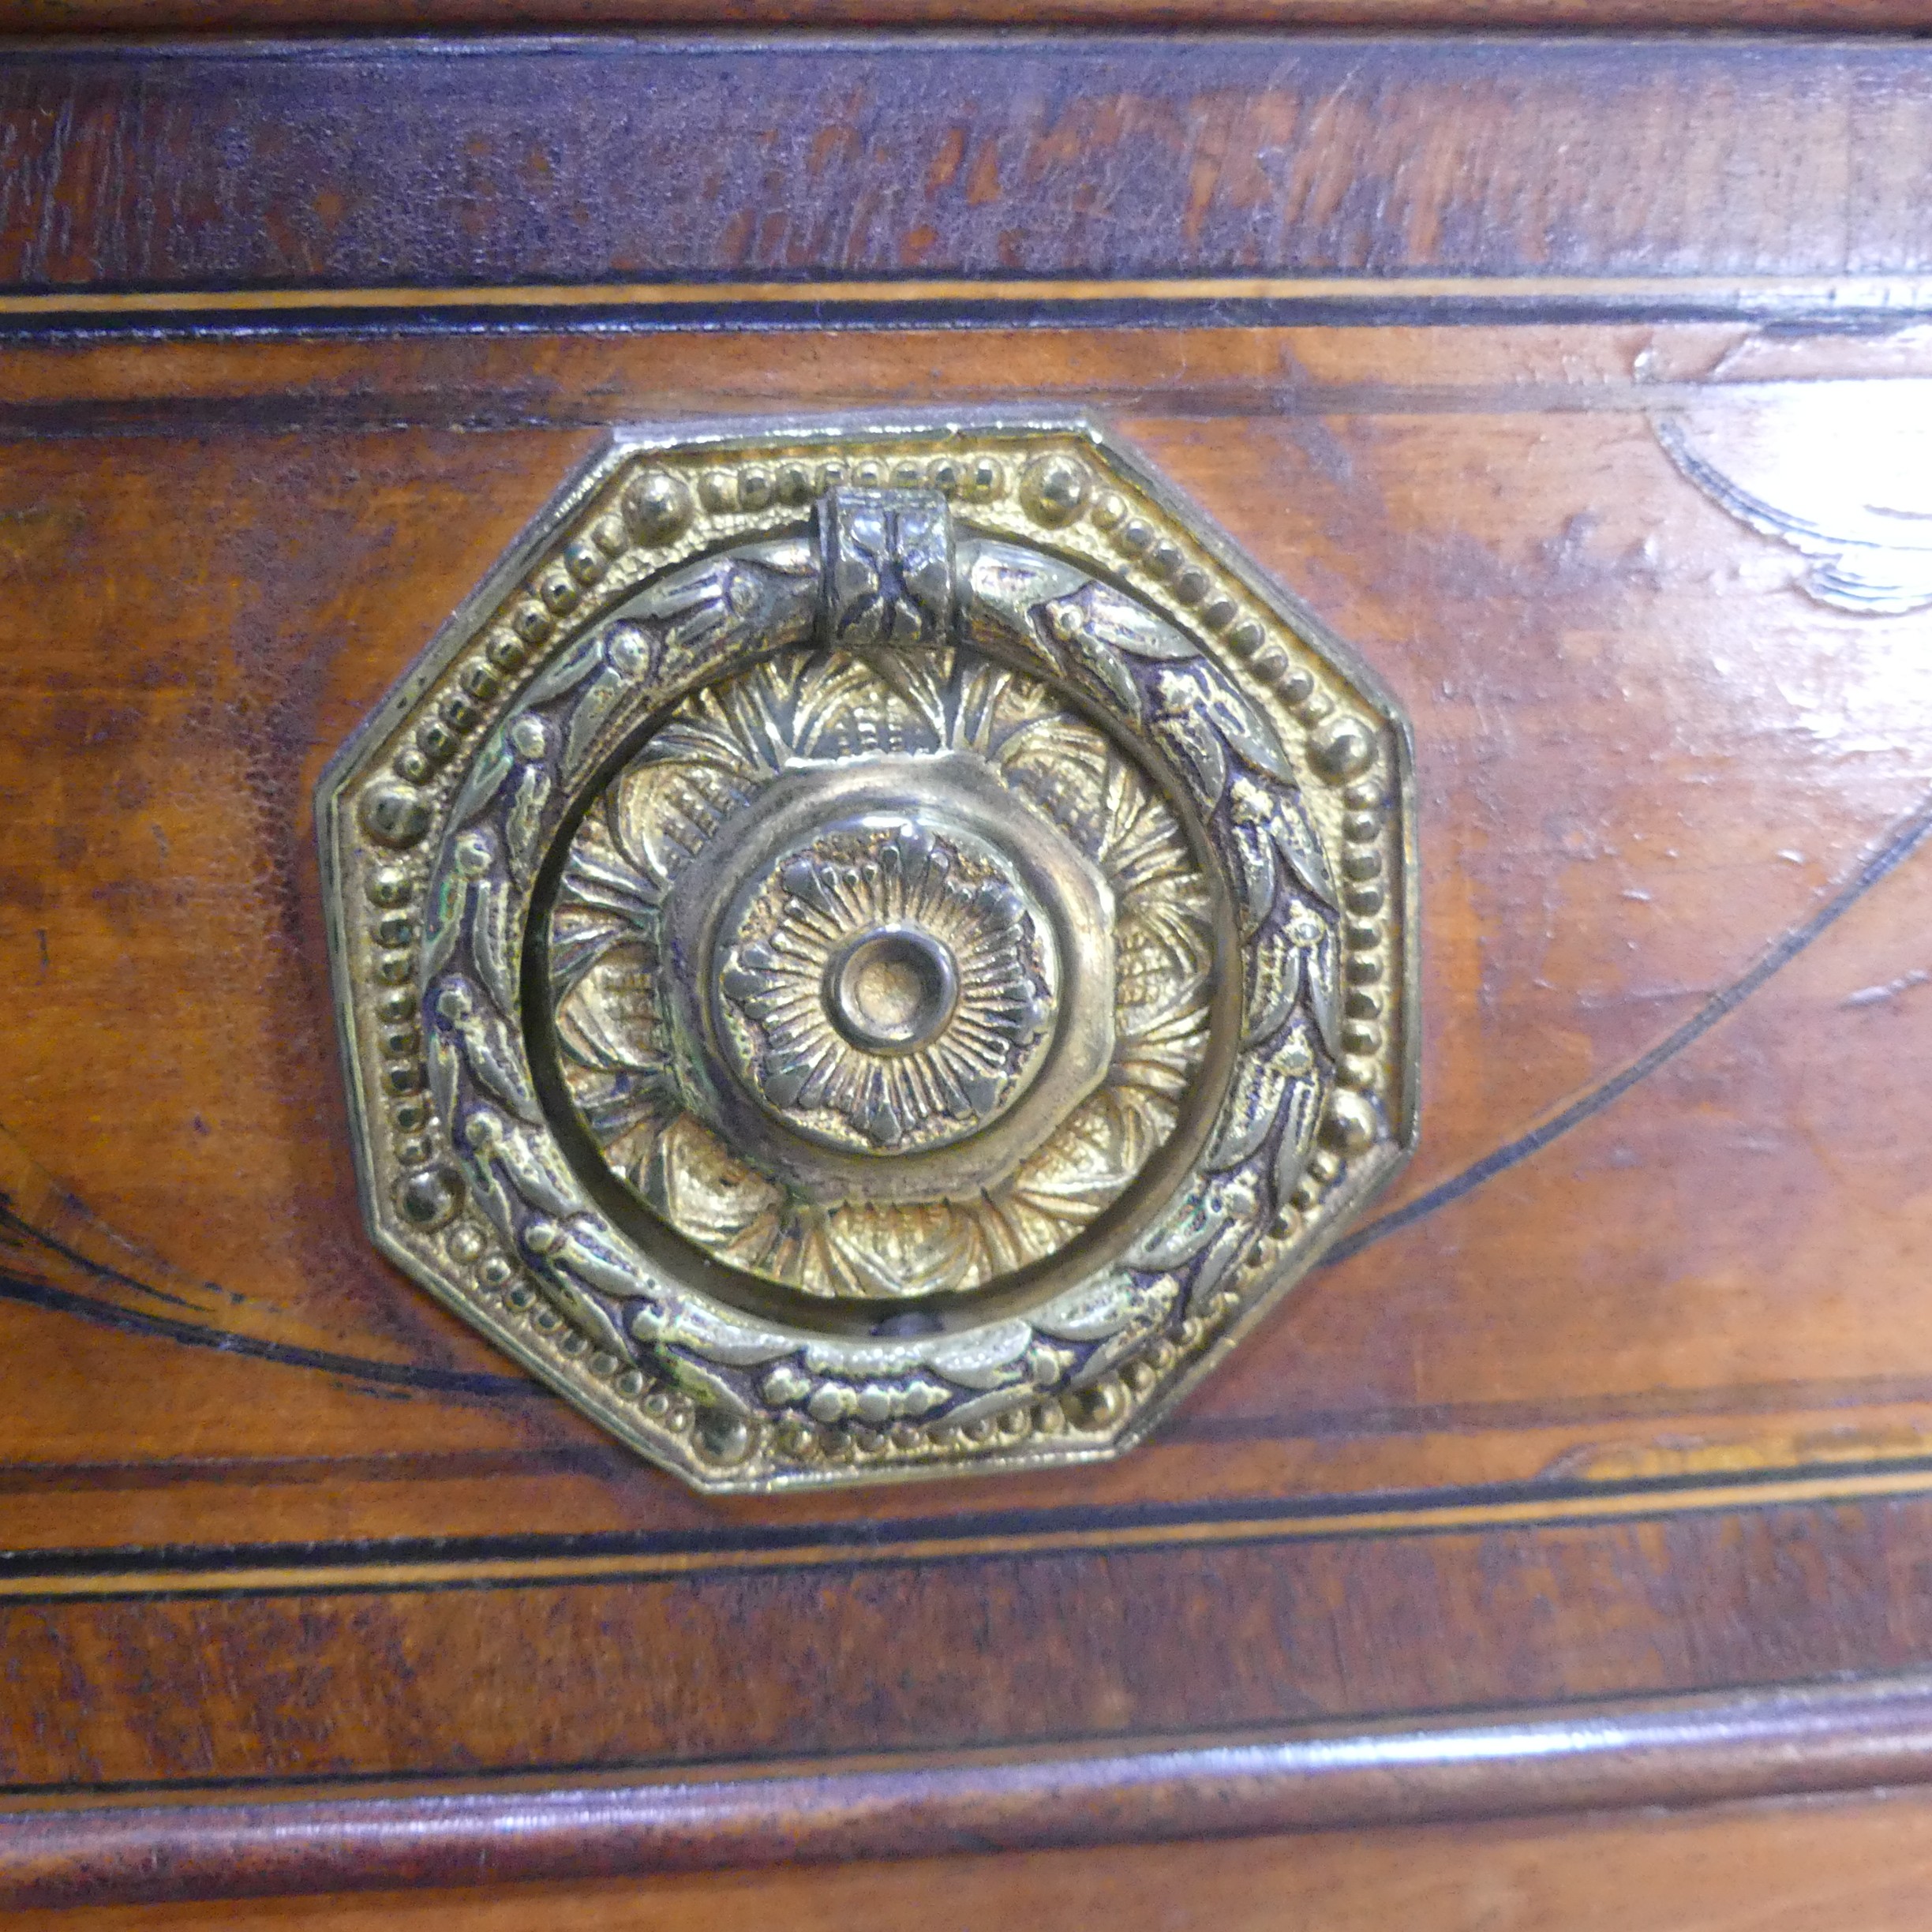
x: 1379, y: 304
x: 15, y: 1229
x: 1736, y: 1401
x: 210, y: 1335
x: 22, y: 1235
x: 1904, y: 840
x: 260, y: 1472
x: 1898, y: 848
x: 1074, y: 1532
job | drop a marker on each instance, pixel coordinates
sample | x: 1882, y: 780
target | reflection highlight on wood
x: 1712, y: 1747
x: 1771, y: 1867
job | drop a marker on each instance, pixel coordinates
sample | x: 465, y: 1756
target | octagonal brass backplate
x: 869, y: 950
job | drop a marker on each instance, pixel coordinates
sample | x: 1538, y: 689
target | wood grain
x: 1627, y: 1393
x: 1712, y: 1747
x: 1788, y: 1867
x: 1708, y: 1279
x: 1334, y: 455
x: 608, y: 159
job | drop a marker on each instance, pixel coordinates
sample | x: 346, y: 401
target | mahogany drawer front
x: 1578, y: 386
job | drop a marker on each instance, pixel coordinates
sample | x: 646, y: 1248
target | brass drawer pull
x: 871, y: 951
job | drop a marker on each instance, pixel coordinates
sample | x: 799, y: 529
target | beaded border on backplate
x: 1263, y: 706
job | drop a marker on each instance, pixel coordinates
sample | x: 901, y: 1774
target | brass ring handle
x: 872, y: 951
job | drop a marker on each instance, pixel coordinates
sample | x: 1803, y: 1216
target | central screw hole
x: 893, y: 990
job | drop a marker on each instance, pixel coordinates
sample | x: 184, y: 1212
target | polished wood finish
x: 1573, y: 1418
x: 1787, y: 1868
x: 350, y: 166
x: 1710, y: 1748
x: 1626, y: 1393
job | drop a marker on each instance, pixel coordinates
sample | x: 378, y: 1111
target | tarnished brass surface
x: 867, y: 951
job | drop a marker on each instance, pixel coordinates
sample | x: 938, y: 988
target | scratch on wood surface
x: 1878, y: 995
